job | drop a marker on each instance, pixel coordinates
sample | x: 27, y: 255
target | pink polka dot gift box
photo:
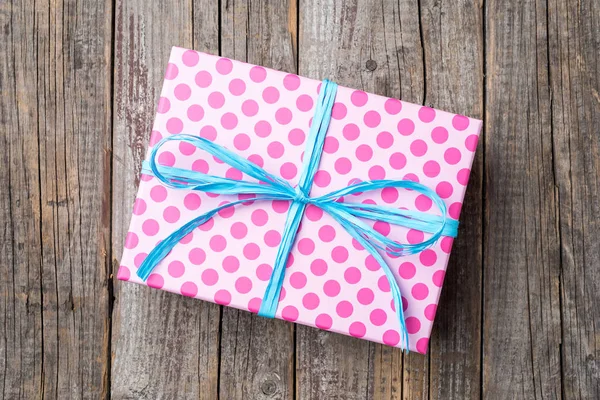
x: 206, y: 225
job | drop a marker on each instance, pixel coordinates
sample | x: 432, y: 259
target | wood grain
x: 522, y: 327
x: 165, y: 345
x: 257, y: 354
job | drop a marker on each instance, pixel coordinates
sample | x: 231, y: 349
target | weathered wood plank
x: 574, y: 45
x: 375, y: 47
x: 257, y: 354
x: 58, y: 202
x: 453, y: 41
x: 165, y: 345
x: 521, y: 341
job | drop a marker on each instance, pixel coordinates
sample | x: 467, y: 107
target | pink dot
x: 446, y: 244
x: 463, y: 176
x: 250, y: 108
x: 372, y: 119
x: 304, y: 103
x: 275, y: 149
x: 420, y: 291
x: 414, y: 236
x: 229, y: 120
x: 216, y: 100
x: 195, y: 113
x: 191, y: 201
x: 393, y: 106
x: 338, y: 111
x: 378, y: 317
x: 218, y: 243
x: 423, y: 203
x: 428, y: 257
x: 376, y: 172
x: 344, y: 309
x: 187, y: 238
x: 139, y: 207
x: 139, y: 259
x: 166, y: 158
x: 171, y: 72
x: 365, y: 296
x: 288, y: 170
x: 438, y: 278
x: 418, y: 148
x: 291, y: 82
x: 234, y: 174
x: 411, y: 177
x: 223, y: 297
x: 331, y: 145
x: 382, y: 227
x: 357, y: 329
x: 251, y: 251
x: 123, y: 274
x: 352, y: 275
x: 318, y: 267
x: 439, y: 135
x: 224, y: 66
x: 306, y: 246
x: 371, y: 263
x: 131, y: 241
x: 323, y: 321
x: 389, y: 195
x: 327, y: 233
x: 155, y: 281
x: 322, y: 178
x: 310, y: 301
x: 190, y: 58
x: 430, y: 311
x: 364, y: 152
x: 243, y: 285
x: 231, y: 264
x: 256, y: 159
x: 426, y: 114
x: 150, y: 227
x: 270, y: 95
x: 272, y: 238
x: 413, y: 325
x: 454, y: 210
x: 200, y: 166
x: 289, y: 313
x: 283, y: 116
x: 209, y: 277
x: 431, y: 169
x: 207, y: 226
x: 258, y: 74
x: 241, y: 141
x: 171, y: 214
x: 313, y: 213
x: 239, y: 230
x: 262, y: 129
x: 208, y: 132
x: 263, y: 272
x: 189, y: 289
x: 351, y: 132
x: 404, y: 304
x: 397, y: 160
x: 158, y: 193
x: 422, y: 345
x: 298, y: 280
x: 174, y: 125
x: 391, y: 337
x: 452, y: 156
x: 343, y: 165
x: 406, y: 126
x: 237, y: 87
x: 359, y: 98
x: 280, y: 206
x: 155, y: 138
x: 176, y: 269
x: 163, y: 105
x: 444, y: 189
x: 383, y: 284
x: 460, y: 122
x: 339, y: 254
x: 385, y: 140
x: 254, y: 304
x: 197, y: 256
x: 407, y: 270
x: 471, y: 142
x: 203, y: 79
x: 331, y: 288
x: 296, y: 137
x: 182, y: 92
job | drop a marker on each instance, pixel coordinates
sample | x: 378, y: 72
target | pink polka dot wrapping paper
x: 331, y: 282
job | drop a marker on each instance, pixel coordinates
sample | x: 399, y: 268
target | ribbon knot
x: 351, y: 216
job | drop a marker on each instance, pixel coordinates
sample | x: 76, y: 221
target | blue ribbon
x: 270, y: 187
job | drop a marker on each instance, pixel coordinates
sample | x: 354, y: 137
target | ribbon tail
x: 270, y: 301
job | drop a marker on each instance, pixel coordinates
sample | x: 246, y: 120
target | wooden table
x: 519, y: 316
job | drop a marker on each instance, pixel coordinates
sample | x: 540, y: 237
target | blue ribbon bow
x: 270, y: 187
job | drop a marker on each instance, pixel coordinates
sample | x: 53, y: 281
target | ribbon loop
x: 351, y: 216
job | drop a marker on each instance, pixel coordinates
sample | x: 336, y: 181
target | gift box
x: 330, y: 280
